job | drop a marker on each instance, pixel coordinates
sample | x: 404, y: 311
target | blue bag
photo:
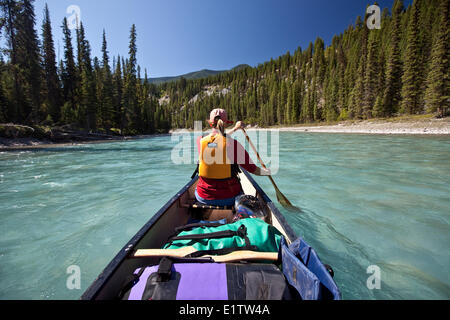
x: 306, y: 273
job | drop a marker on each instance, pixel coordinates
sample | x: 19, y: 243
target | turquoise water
x: 367, y: 200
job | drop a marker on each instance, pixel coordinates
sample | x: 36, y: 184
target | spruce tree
x: 289, y: 107
x: 29, y: 61
x: 50, y: 70
x: 342, y: 81
x: 371, y: 80
x: 130, y: 118
x: 412, y: 68
x: 358, y: 91
x: 118, y: 94
x: 10, y: 10
x: 3, y: 99
x: 281, y: 104
x: 148, y: 111
x: 69, y: 76
x: 87, y: 104
x: 438, y: 80
x: 393, y: 84
x: 295, y: 101
x: 107, y: 108
x: 273, y: 105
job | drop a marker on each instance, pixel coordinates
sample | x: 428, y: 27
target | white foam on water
x: 54, y: 184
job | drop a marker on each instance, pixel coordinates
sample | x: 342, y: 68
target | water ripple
x: 366, y: 200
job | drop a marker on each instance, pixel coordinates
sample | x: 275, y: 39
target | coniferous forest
x: 400, y: 69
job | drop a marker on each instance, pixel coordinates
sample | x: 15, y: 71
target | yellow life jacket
x: 214, y: 163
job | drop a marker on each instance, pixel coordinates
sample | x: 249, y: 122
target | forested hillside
x: 402, y: 68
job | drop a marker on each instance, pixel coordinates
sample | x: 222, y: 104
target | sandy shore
x: 420, y: 126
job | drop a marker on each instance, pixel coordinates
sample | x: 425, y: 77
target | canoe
x: 178, y: 211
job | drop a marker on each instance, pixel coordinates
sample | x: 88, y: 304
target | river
x: 367, y: 200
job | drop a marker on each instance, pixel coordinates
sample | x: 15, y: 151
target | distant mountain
x: 241, y: 66
x: 194, y: 75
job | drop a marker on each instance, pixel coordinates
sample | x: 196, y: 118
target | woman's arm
x: 239, y: 125
x: 241, y: 157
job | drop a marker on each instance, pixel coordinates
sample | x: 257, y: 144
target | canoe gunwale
x: 109, y: 270
x: 278, y: 215
x: 99, y: 283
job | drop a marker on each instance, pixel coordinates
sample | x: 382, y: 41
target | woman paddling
x: 220, y: 157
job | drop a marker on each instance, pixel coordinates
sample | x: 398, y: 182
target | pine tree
x: 342, y: 82
x: 281, y: 105
x: 50, y: 70
x: 87, y: 105
x: 106, y: 108
x: 295, y: 106
x: 307, y: 112
x: 412, y: 69
x: 10, y: 11
x: 438, y: 80
x: 289, y: 107
x: 148, y: 110
x: 118, y: 94
x: 29, y: 61
x: 393, y: 84
x: 273, y: 105
x: 371, y: 80
x: 3, y: 100
x: 318, y: 77
x: 130, y: 118
x: 69, y: 77
x: 358, y: 91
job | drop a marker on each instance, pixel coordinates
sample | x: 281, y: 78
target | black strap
x: 195, y: 172
x: 165, y: 269
x: 241, y: 232
x: 129, y: 283
x: 164, y: 272
x: 198, y: 225
x: 192, y: 226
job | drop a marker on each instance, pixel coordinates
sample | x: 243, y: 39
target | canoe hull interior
x: 155, y: 233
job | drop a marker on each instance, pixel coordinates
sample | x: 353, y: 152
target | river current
x: 367, y: 200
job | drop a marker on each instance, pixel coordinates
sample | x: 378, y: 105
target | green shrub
x: 343, y: 116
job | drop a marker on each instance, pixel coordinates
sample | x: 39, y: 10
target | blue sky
x: 180, y: 36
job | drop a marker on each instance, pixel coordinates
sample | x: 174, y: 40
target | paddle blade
x: 283, y: 200
x: 280, y: 197
x: 286, y: 203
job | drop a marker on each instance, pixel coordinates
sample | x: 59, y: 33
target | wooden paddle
x: 280, y: 196
x: 183, y: 252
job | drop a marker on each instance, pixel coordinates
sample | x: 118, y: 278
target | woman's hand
x: 262, y: 172
x: 239, y: 125
x: 266, y: 172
